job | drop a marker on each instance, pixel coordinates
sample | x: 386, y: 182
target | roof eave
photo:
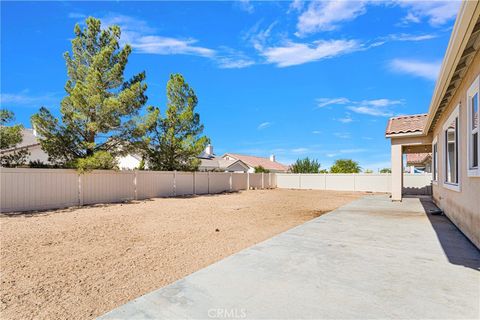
x: 406, y: 134
x: 458, y: 41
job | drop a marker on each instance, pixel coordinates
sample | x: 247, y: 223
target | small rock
x: 217, y: 230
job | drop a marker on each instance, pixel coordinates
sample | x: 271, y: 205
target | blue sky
x: 296, y: 79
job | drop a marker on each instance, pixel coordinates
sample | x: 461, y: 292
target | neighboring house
x: 129, y: 162
x: 419, y: 162
x: 208, y: 162
x: 252, y: 162
x: 31, y: 143
x: 450, y: 129
x: 211, y: 162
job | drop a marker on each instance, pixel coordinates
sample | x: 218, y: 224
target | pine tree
x: 98, y: 113
x: 10, y: 137
x: 174, y: 141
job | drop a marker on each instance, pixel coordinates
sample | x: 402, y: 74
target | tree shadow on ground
x: 46, y: 212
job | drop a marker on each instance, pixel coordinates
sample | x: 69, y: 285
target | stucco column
x: 397, y: 172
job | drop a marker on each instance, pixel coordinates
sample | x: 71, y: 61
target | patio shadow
x: 456, y: 246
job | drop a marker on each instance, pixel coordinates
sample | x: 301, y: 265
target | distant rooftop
x: 253, y: 161
x: 406, y: 124
x: 418, y: 158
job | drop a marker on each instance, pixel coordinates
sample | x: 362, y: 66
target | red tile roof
x: 418, y: 158
x: 253, y: 161
x: 406, y: 124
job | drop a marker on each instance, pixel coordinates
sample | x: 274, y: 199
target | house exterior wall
x: 128, y: 162
x: 462, y: 207
x: 237, y: 167
x: 37, y: 154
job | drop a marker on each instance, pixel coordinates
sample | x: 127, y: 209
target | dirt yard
x: 81, y: 263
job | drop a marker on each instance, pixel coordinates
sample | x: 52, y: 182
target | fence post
x: 263, y: 187
x: 248, y: 180
x: 231, y: 181
x: 299, y: 181
x: 194, y: 184
x: 354, y: 185
x: 80, y: 190
x: 270, y: 180
x: 134, y: 185
x: 208, y: 182
x: 175, y: 183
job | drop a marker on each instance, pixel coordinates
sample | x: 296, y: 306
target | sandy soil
x: 83, y: 262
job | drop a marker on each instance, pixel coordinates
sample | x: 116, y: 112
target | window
x: 435, y: 160
x: 473, y: 147
x: 450, y: 130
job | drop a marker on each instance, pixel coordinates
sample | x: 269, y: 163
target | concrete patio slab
x: 372, y: 258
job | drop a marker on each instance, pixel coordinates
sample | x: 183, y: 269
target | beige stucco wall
x: 463, y: 207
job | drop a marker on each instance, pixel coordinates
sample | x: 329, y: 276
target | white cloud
x: 423, y: 69
x: 316, y: 132
x: 24, y: 98
x: 346, y: 119
x: 233, y: 59
x: 259, y: 37
x: 130, y: 26
x: 380, y: 102
x: 76, y: 15
x: 355, y: 150
x: 264, y: 125
x: 411, y: 37
x: 323, y: 102
x: 436, y: 12
x: 326, y: 15
x: 373, y: 107
x: 145, y: 39
x: 292, y: 53
x: 296, y: 5
x: 300, y: 150
x: 345, y: 151
x: 230, y: 63
x: 245, y: 5
x: 169, y: 46
x: 342, y: 135
x: 372, y: 111
x: 410, y: 17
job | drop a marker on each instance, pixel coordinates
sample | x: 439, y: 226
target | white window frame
x: 450, y: 185
x: 474, y: 89
x: 435, y: 161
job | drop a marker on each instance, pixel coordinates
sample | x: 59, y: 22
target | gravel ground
x: 80, y: 263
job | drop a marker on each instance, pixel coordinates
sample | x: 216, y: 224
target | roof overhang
x: 403, y: 135
x: 457, y: 59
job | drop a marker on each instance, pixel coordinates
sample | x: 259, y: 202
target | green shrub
x: 345, y: 166
x: 99, y: 160
x: 306, y: 166
x: 260, y: 169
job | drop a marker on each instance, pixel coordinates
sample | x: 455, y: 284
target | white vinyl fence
x: 412, y: 183
x: 40, y: 189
